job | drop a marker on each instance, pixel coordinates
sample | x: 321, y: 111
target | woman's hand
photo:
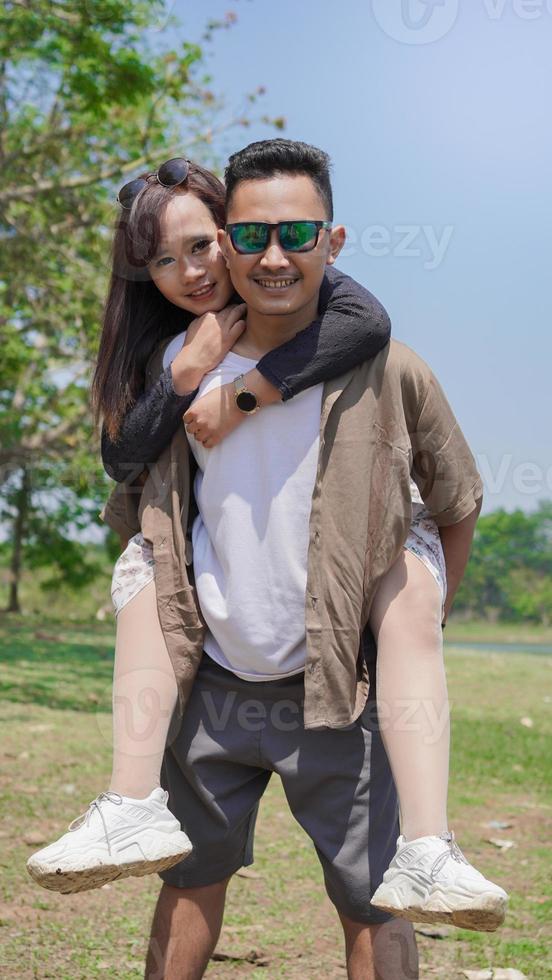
x: 208, y: 340
x: 213, y: 416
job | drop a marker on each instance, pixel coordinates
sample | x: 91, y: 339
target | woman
x: 166, y: 259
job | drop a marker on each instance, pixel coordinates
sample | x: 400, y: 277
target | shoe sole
x: 486, y: 918
x: 69, y: 882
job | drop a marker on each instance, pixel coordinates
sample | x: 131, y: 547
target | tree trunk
x: 19, y: 527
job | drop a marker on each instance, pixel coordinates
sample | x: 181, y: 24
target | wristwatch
x: 246, y: 400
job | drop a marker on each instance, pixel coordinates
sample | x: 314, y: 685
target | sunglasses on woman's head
x: 170, y: 174
x: 250, y: 237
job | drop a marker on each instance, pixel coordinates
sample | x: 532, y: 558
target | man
x: 302, y: 511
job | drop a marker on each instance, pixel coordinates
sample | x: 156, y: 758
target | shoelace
x: 453, y: 851
x: 97, y: 805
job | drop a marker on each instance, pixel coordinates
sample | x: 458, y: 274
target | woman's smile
x: 203, y: 292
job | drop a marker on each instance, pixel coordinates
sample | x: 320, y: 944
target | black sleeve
x: 352, y: 326
x: 146, y: 429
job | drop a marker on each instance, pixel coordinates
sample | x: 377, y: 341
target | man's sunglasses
x: 250, y: 237
x: 170, y: 174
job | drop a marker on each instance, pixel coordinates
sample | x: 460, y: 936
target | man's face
x: 275, y: 282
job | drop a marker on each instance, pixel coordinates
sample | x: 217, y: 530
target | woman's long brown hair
x: 136, y: 315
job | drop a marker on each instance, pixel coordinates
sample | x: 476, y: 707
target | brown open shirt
x: 384, y: 420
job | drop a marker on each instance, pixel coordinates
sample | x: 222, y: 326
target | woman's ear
x: 222, y: 239
x: 338, y: 236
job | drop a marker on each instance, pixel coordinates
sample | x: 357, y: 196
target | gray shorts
x: 234, y: 735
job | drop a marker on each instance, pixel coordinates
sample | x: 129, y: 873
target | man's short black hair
x: 267, y: 158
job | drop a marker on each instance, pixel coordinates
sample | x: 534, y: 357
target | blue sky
x: 437, y: 117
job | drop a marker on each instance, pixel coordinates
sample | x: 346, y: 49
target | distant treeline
x: 509, y: 575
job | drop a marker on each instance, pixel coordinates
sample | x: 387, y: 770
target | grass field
x: 55, y: 747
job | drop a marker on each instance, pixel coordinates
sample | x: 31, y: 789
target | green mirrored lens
x: 298, y: 236
x: 250, y: 238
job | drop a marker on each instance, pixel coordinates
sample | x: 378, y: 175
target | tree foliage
x: 91, y: 93
x: 509, y: 575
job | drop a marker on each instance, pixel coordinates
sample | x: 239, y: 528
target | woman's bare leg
x: 412, y: 693
x: 144, y: 697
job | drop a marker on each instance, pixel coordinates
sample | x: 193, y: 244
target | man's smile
x: 270, y: 283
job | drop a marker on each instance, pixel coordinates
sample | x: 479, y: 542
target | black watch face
x: 246, y: 401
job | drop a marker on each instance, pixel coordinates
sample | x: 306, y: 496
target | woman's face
x: 189, y: 268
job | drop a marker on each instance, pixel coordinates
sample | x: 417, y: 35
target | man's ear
x: 222, y: 239
x: 337, y: 236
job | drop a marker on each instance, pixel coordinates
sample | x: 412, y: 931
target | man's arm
x: 456, y: 540
x: 443, y: 466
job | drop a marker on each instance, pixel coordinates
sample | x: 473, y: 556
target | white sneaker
x: 429, y: 880
x: 115, y: 838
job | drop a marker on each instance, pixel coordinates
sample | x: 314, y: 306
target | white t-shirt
x: 250, y: 538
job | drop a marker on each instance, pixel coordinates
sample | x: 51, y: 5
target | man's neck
x: 263, y: 333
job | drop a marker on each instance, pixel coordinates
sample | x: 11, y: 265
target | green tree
x: 529, y: 595
x: 509, y: 574
x: 91, y: 93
